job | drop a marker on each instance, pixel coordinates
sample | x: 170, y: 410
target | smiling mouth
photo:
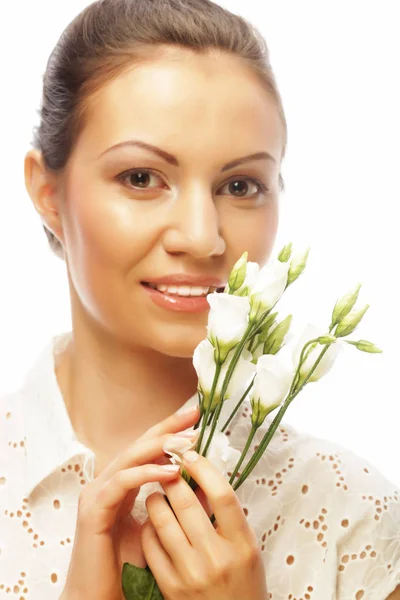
x: 184, y: 291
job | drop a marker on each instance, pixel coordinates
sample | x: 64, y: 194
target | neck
x: 114, y: 392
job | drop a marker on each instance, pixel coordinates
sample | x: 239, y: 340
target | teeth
x: 183, y: 290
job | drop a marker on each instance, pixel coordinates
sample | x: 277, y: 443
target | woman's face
x: 178, y: 215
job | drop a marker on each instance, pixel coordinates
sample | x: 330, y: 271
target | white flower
x: 271, y: 386
x: 252, y: 272
x: 269, y: 287
x: 204, y: 363
x: 175, y: 446
x: 219, y: 453
x: 227, y: 321
x: 312, y: 332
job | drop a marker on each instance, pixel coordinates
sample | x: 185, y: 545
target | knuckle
x: 196, y: 583
x: 221, y: 572
x: 152, y: 498
x: 131, y: 453
x: 251, y: 555
x: 226, y: 498
x: 175, y: 590
x: 117, y: 478
x: 185, y: 503
x: 86, y: 502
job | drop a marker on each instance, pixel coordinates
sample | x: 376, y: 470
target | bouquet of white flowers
x: 241, y: 358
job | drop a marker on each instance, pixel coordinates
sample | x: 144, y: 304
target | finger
x: 141, y: 452
x: 168, y: 529
x: 108, y: 499
x: 190, y: 514
x: 220, y: 495
x: 157, y: 558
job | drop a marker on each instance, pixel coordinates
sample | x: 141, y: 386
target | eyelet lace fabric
x: 327, y: 521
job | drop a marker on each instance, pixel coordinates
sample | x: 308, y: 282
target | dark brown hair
x: 109, y: 36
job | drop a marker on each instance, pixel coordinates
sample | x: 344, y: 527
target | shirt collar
x: 50, y: 439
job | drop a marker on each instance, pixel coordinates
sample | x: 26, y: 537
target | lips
x: 182, y: 293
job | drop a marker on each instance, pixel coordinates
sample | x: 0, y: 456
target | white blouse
x: 327, y: 521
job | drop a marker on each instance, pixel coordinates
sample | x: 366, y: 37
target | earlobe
x: 42, y: 189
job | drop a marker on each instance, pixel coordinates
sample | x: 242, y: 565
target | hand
x: 106, y: 533
x: 192, y: 558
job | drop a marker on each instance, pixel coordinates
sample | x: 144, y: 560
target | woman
x: 156, y: 165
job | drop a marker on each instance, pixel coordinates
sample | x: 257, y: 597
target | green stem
x: 301, y: 360
x: 246, y: 449
x: 238, y: 405
x: 197, y: 425
x: 275, y: 423
x: 227, y: 379
x: 207, y: 413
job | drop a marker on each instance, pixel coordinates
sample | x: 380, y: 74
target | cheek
x: 105, y: 232
x: 253, y: 231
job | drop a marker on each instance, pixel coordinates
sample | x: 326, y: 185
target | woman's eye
x: 244, y: 188
x: 139, y: 179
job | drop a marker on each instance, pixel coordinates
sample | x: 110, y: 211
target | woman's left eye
x: 240, y: 187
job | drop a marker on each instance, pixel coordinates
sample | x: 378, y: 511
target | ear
x: 42, y: 188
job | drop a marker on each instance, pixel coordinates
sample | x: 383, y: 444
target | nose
x: 193, y: 226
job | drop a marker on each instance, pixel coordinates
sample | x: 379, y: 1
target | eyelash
x: 262, y: 188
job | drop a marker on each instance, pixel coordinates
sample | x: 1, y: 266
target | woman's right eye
x: 138, y: 179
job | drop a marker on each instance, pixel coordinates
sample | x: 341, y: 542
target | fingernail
x: 190, y: 456
x: 170, y: 468
x: 188, y: 434
x: 187, y: 410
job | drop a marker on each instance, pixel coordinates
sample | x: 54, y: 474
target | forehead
x: 186, y: 102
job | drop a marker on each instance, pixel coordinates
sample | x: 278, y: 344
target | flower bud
x: 297, y: 266
x: 276, y: 339
x: 252, y: 271
x: 365, y: 346
x: 285, y: 253
x: 344, y: 305
x: 350, y: 322
x: 238, y: 274
x: 266, y: 327
x: 243, y: 291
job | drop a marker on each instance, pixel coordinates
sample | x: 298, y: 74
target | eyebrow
x: 174, y: 161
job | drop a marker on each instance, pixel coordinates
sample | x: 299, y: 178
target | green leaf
x: 139, y: 584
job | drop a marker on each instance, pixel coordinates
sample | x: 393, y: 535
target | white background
x: 337, y: 66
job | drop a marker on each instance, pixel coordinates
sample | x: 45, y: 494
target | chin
x: 179, y: 344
